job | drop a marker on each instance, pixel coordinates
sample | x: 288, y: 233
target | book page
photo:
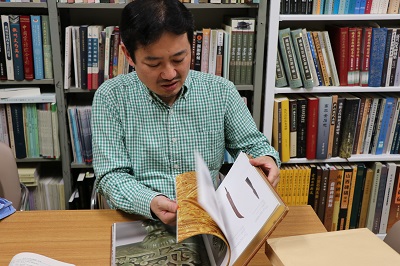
x: 245, y: 201
x: 194, y: 220
x: 33, y: 259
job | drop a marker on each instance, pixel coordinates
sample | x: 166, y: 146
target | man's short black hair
x: 144, y: 21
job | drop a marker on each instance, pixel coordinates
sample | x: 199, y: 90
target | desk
x: 83, y: 237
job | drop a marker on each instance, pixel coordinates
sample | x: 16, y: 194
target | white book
x: 331, y: 59
x: 95, y: 58
x: 383, y: 8
x: 5, y: 24
x: 391, y: 55
x: 31, y: 259
x: 41, y: 98
x: 375, y: 6
x: 68, y: 57
x: 371, y: 121
x: 89, y: 56
x: 3, y: 125
x: 374, y: 194
x: 76, y: 55
x: 212, y: 56
x: 325, y: 56
x: 107, y: 51
x: 387, y: 196
x: 227, y: 51
x: 19, y: 92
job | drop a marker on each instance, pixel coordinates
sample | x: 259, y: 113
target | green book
x: 280, y: 77
x: 47, y: 54
x: 302, y: 59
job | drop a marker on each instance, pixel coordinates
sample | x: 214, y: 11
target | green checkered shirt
x: 140, y: 144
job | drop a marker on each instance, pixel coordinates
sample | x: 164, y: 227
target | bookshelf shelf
x: 27, y: 82
x: 190, y: 6
x: 335, y: 89
x: 23, y: 5
x: 81, y: 166
x: 353, y: 17
x: 37, y: 160
x: 353, y: 158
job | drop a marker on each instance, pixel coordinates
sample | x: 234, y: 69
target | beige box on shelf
x: 347, y: 247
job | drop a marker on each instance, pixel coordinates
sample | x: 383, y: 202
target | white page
x: 254, y: 201
x: 33, y: 259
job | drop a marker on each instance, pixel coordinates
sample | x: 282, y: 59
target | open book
x: 226, y: 226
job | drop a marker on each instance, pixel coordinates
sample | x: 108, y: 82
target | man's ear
x: 127, y: 55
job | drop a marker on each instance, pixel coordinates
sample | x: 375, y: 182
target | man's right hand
x: 165, y: 209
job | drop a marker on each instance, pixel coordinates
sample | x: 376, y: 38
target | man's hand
x: 268, y: 165
x: 165, y: 209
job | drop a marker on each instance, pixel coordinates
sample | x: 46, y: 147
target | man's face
x: 164, y: 65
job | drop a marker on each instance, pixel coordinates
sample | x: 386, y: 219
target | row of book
x: 93, y: 53
x: 25, y: 48
x: 25, y: 1
x: 356, y: 56
x: 322, y: 126
x: 30, y: 126
x: 45, y: 193
x: 328, y: 7
x: 344, y: 195
x: 183, y: 1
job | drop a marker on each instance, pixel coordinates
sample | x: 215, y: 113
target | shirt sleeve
x: 115, y: 179
x: 242, y: 133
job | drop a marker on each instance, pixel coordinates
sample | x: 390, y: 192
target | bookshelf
x: 62, y: 15
x: 315, y: 22
x: 279, y: 21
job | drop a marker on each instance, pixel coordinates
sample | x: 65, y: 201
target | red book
x: 368, y: 6
x: 27, y: 53
x: 340, y: 45
x: 312, y: 126
x: 351, y: 67
x: 365, y: 55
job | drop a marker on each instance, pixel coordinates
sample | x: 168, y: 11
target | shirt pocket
x: 211, y: 145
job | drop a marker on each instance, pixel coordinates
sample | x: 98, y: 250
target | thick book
x: 312, y: 126
x: 353, y: 247
x: 391, y: 166
x: 324, y: 117
x: 281, y: 132
x: 226, y: 226
x: 302, y: 59
x: 289, y: 58
x: 350, y: 113
x: 37, y: 46
x: 27, y: 52
x: 357, y: 195
x: 16, y: 47
x: 377, y: 54
x: 338, y: 125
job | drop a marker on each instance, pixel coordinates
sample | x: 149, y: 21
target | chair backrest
x: 392, y: 238
x: 10, y: 187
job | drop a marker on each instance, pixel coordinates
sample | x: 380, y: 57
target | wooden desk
x: 83, y: 237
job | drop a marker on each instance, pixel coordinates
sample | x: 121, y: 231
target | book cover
x: 394, y: 210
x: 332, y: 124
x: 324, y: 67
x: 324, y: 118
x: 387, y: 197
x: 377, y: 53
x: 309, y: 54
x: 338, y: 193
x: 376, y: 167
x: 293, y: 126
x: 83, y: 48
x: 338, y: 125
x: 365, y: 55
x: 302, y: 59
x: 315, y: 60
x: 361, y: 171
x: 37, y: 46
x: 280, y: 76
x: 301, y: 126
x: 365, y: 197
x: 18, y: 130
x: 16, y: 47
x: 330, y: 196
x: 385, y: 124
x: 281, y: 135
x: 344, y: 200
x: 289, y: 58
x: 5, y: 23
x: 68, y: 57
x: 3, y: 66
x: 312, y: 186
x: 47, y: 53
x: 391, y: 34
x: 205, y: 50
x: 380, y: 199
x: 374, y: 110
x: 350, y: 112
x: 312, y: 126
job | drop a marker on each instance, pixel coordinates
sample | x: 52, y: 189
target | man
x: 146, y: 125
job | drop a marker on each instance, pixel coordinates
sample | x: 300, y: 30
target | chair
x: 98, y: 201
x: 10, y: 186
x: 392, y: 238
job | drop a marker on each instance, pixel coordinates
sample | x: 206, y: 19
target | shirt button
x: 174, y: 140
x: 171, y: 112
x: 176, y: 166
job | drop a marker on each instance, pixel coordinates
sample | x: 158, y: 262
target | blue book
x: 377, y: 55
x: 336, y: 4
x: 74, y: 134
x: 328, y: 7
x: 357, y: 7
x: 315, y: 58
x: 37, y: 46
x: 16, y: 47
x: 351, y: 6
x: 363, y: 3
x: 342, y: 7
x: 389, y: 107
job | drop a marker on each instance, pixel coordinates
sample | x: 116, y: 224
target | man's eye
x: 178, y: 60
x: 156, y: 65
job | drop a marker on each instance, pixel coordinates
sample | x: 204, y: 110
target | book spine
x: 387, y: 197
x: 302, y: 60
x: 377, y: 167
x: 324, y: 116
x: 219, y: 53
x: 199, y: 43
x: 288, y: 58
x: 332, y: 124
x: 205, y: 50
x: 116, y: 43
x: 16, y: 47
x: 394, y: 210
x: 344, y: 201
x: 37, y: 46
x: 311, y: 188
x: 95, y: 57
x: 365, y: 198
x: 3, y: 125
x: 27, y: 52
x: 365, y: 56
x: 301, y: 127
x: 312, y: 127
x: 383, y: 131
x: 338, y: 127
x: 337, y: 197
x: 3, y: 66
x: 89, y: 77
x: 355, y: 202
x: 386, y: 57
x: 315, y: 60
x: 293, y: 127
x: 322, y: 63
x: 330, y: 198
x: 47, y: 53
x: 310, y: 57
x: 83, y: 47
x: 394, y: 59
x: 352, y: 58
x: 340, y: 39
x: 280, y: 77
x: 250, y: 53
x: 364, y: 124
x: 193, y: 51
x: 5, y: 23
x: 359, y: 123
x: 380, y: 199
x: 377, y: 56
x: 350, y: 112
x: 18, y: 130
